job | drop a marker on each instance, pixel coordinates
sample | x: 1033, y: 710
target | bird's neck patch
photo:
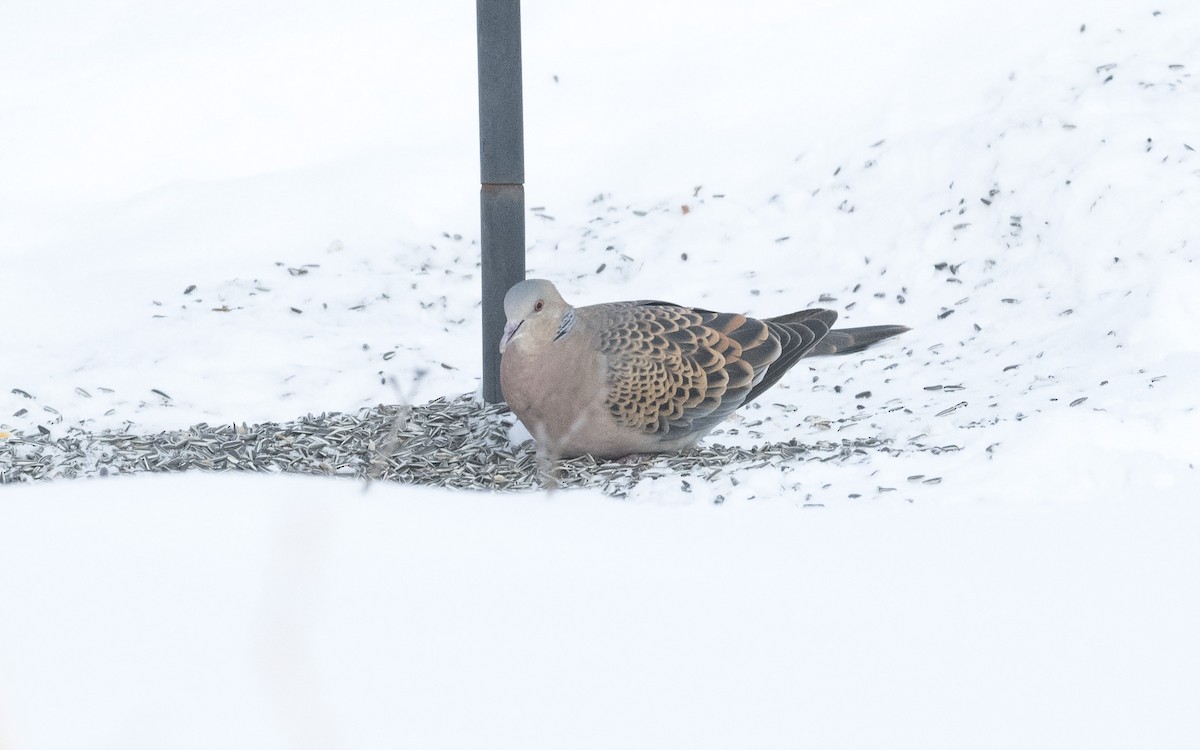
x: 568, y: 322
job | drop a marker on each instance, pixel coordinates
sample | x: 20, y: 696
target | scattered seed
x: 952, y: 409
x: 455, y: 442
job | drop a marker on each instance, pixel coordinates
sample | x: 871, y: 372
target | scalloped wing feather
x: 675, y: 370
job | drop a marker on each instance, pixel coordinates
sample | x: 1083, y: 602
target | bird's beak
x: 510, y: 330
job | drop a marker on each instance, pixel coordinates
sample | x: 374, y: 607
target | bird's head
x: 535, y: 314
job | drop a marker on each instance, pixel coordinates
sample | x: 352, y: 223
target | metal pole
x: 502, y: 172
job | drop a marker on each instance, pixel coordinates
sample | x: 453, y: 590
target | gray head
x: 534, y: 310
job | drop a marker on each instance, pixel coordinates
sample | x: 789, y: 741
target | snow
x: 1017, y: 184
x: 275, y: 611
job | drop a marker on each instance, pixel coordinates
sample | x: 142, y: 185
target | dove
x: 641, y: 377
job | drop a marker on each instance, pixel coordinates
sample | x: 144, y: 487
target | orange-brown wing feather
x: 674, y: 369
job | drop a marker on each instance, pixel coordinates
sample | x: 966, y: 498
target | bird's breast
x: 555, y: 390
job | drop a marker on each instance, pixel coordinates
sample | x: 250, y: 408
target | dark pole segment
x: 501, y: 127
x: 502, y: 172
x: 502, y: 208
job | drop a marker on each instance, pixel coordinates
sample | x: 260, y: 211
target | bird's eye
x: 537, y: 306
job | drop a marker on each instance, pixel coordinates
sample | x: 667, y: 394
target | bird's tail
x: 848, y: 340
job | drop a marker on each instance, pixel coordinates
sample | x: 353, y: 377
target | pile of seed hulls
x: 458, y: 442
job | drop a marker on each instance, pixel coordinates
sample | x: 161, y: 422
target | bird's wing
x: 675, y: 369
